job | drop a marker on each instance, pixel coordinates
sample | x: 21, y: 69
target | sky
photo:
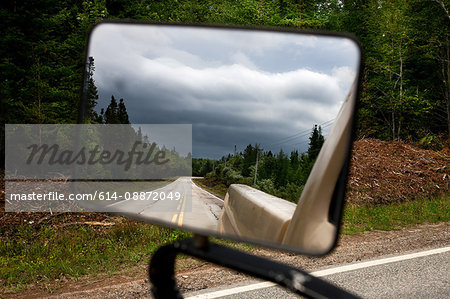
x: 235, y: 87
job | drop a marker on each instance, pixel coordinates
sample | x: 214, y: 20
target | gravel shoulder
x: 199, y: 275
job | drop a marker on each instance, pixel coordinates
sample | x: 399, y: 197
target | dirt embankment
x: 385, y: 172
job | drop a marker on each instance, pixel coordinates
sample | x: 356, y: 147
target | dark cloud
x: 169, y: 75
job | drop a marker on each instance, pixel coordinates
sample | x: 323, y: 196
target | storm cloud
x: 234, y: 87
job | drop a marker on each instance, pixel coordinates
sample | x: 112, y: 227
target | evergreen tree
x: 267, y: 166
x: 294, y: 159
x: 122, y: 114
x: 116, y: 114
x: 316, y: 141
x: 111, y: 113
x: 281, y: 170
x: 249, y: 160
x: 92, y: 93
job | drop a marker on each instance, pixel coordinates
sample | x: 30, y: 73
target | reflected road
x: 180, y: 203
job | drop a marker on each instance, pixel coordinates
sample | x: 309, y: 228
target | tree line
x: 404, y: 88
x: 280, y: 174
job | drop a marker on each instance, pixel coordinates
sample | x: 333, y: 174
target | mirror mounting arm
x: 162, y: 274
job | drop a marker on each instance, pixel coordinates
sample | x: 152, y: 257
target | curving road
x: 180, y: 203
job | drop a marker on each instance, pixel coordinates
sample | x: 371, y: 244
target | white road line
x: 379, y: 262
x: 325, y: 272
x: 233, y: 291
x: 194, y: 184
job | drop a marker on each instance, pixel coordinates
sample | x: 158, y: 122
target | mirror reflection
x: 260, y: 105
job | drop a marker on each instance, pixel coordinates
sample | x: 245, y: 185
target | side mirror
x: 267, y: 114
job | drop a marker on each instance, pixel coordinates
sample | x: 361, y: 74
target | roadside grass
x: 29, y: 255
x: 48, y: 254
x: 357, y: 219
x: 212, y: 186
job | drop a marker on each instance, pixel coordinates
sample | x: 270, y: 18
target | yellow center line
x: 174, y: 218
x: 180, y: 218
x: 180, y: 208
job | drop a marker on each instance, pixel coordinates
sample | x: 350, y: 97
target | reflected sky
x: 234, y: 86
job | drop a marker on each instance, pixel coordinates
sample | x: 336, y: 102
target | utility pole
x: 256, y: 166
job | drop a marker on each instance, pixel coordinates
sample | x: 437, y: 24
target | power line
x: 297, y: 135
x: 269, y: 146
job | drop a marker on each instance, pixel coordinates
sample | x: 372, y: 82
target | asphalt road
x: 422, y: 275
x: 181, y: 203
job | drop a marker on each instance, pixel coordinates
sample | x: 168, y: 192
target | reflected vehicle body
x: 237, y: 89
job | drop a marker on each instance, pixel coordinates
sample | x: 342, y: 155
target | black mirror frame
x: 337, y: 203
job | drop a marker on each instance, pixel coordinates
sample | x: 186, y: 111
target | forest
x: 281, y: 174
x: 404, y: 85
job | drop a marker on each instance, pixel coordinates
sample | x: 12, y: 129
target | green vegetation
x: 277, y: 174
x: 212, y: 185
x: 358, y: 219
x: 42, y: 255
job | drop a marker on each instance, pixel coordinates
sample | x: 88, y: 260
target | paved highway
x: 181, y: 203
x: 418, y: 275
